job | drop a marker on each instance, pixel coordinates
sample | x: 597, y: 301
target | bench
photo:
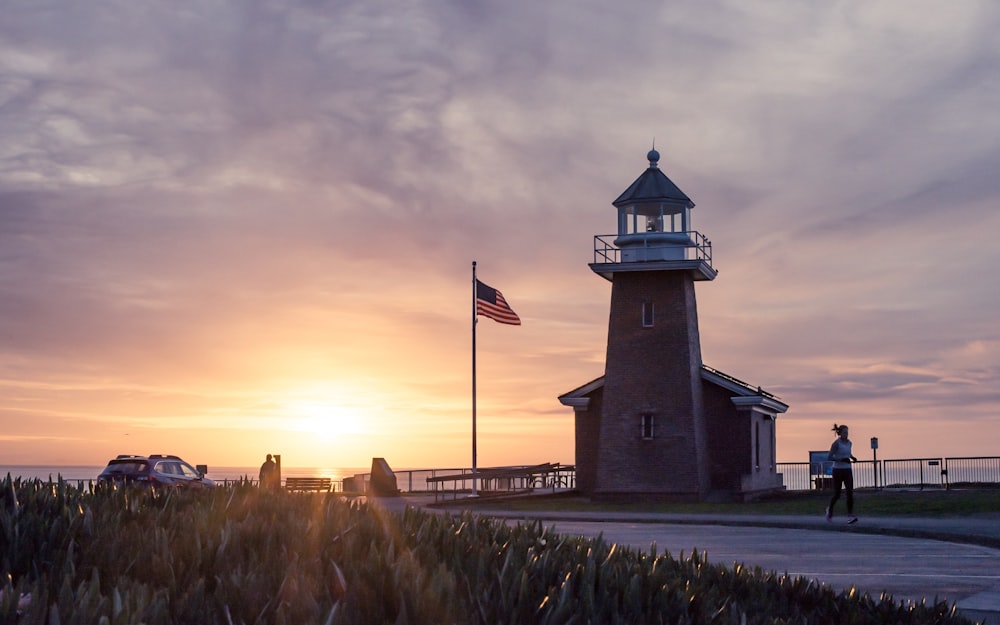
x: 314, y: 484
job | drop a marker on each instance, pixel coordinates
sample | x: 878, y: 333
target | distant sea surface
x: 90, y: 472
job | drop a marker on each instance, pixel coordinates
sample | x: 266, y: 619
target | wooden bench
x: 314, y: 484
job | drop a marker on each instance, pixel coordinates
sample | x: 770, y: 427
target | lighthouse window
x: 647, y: 314
x: 756, y: 445
x: 646, y: 426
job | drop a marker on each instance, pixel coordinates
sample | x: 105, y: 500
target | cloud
x: 199, y: 200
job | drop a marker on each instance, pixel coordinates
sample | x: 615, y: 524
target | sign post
x: 875, y: 459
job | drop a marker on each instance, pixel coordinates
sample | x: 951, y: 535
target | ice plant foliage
x: 239, y: 555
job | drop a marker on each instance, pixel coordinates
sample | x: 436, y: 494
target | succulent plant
x: 241, y: 555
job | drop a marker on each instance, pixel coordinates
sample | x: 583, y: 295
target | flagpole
x: 474, y: 492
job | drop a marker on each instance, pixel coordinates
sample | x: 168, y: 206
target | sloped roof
x: 743, y: 393
x: 653, y: 186
x: 580, y: 395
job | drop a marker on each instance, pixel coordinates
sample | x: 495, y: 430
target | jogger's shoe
x: 852, y: 520
x: 829, y: 514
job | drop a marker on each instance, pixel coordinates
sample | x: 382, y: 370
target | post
x: 474, y: 492
x: 875, y: 460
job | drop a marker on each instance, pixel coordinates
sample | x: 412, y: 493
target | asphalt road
x: 908, y: 569
x: 909, y: 559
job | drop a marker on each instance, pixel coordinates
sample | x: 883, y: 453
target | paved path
x: 906, y: 568
x: 951, y: 559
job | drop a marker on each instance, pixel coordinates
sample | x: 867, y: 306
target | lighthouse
x: 660, y: 424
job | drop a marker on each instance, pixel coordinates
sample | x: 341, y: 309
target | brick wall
x: 729, y: 438
x: 653, y: 370
x: 587, y: 425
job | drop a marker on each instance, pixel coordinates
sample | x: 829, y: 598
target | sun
x: 325, y: 421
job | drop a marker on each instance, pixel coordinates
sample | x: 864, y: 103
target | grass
x: 898, y: 503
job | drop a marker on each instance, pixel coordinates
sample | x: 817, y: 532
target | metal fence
x: 918, y: 473
x: 428, y: 480
x: 911, y: 473
x: 972, y: 470
x: 803, y: 475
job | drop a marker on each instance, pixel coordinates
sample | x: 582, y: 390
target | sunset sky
x: 236, y: 227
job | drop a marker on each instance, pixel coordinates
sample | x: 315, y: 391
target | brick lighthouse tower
x: 642, y: 430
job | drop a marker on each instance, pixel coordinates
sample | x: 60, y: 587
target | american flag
x: 491, y: 303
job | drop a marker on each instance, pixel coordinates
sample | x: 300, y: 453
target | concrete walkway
x: 952, y: 559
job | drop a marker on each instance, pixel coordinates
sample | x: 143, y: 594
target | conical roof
x: 653, y: 187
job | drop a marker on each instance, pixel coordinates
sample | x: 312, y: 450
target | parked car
x: 154, y: 471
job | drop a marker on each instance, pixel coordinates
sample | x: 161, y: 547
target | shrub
x: 241, y: 555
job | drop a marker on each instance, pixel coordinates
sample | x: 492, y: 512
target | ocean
x: 76, y: 473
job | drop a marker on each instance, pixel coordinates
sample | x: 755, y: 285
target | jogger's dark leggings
x: 843, y: 478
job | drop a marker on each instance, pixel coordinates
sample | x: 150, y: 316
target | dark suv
x: 154, y: 471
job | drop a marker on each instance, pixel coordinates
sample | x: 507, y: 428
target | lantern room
x: 653, y: 204
x: 654, y: 230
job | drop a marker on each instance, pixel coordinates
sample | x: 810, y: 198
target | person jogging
x: 843, y: 476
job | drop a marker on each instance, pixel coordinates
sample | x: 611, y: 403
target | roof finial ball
x: 653, y: 156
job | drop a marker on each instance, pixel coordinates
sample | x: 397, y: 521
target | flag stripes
x: 491, y: 303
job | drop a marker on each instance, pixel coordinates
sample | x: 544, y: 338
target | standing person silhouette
x: 843, y: 476
x: 268, y: 473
